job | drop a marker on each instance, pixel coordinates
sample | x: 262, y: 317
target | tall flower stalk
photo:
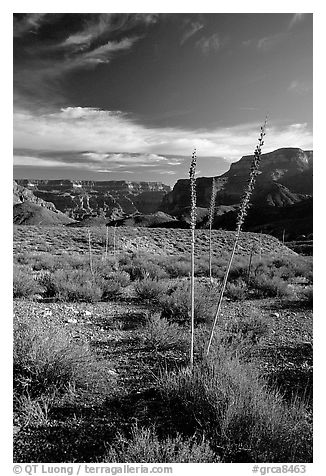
x: 243, y: 210
x: 210, y: 222
x: 106, y: 242
x: 192, y: 175
x: 90, y: 252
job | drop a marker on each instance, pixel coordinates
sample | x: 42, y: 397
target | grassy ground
x: 107, y: 380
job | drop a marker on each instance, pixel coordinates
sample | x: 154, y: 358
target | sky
x: 129, y: 96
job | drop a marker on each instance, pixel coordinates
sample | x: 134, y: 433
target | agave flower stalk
x: 90, y: 251
x: 106, y: 242
x: 192, y: 175
x: 243, y: 210
x: 114, y: 239
x: 211, y: 218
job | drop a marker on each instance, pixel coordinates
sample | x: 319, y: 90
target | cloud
x: 102, y: 54
x: 92, y: 40
x: 105, y: 24
x: 269, y: 42
x: 210, y: 43
x: 299, y: 87
x: 27, y: 23
x: 93, y: 161
x: 265, y: 43
x: 98, y: 133
x: 296, y: 18
x: 192, y: 27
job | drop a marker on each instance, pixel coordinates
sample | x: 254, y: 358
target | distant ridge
x: 28, y: 213
x: 285, y: 181
x: 81, y: 199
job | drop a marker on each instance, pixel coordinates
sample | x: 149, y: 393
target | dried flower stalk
x: 90, y: 252
x: 192, y: 175
x: 210, y: 222
x: 244, y: 206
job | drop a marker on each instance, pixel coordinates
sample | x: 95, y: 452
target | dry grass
x: 160, y: 334
x: 232, y: 404
x: 144, y: 446
x: 47, y: 359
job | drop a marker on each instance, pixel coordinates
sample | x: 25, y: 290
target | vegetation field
x: 101, y: 348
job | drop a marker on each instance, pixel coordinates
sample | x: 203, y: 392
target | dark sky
x: 128, y: 96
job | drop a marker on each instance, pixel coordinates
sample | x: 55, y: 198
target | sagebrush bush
x: 232, y: 404
x: 72, y: 285
x: 140, y: 268
x: 248, y: 327
x: 109, y: 289
x: 160, y: 334
x: 175, y: 305
x: 177, y: 267
x: 150, y: 289
x: 307, y: 296
x: 264, y: 286
x: 24, y: 285
x: 46, y: 358
x: 144, y: 446
x: 237, y: 290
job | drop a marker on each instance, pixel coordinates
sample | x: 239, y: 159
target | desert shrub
x: 306, y: 295
x: 247, y: 327
x: 160, y: 334
x: 47, y: 359
x: 81, y: 285
x: 144, y: 446
x: 232, y: 404
x: 201, y: 267
x: 22, y: 258
x: 24, y: 285
x: 218, y: 267
x: 104, y: 267
x: 150, y: 289
x: 177, y: 267
x: 239, y: 269
x: 110, y: 289
x: 237, y: 290
x: 175, y: 305
x: 72, y: 285
x: 43, y: 261
x: 141, y: 268
x: 294, y: 266
x: 121, y: 277
x: 284, y: 267
x: 264, y: 286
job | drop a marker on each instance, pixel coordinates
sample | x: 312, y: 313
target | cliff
x: 108, y: 199
x: 285, y: 179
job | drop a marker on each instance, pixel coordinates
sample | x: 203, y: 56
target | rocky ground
x: 84, y: 427
x: 58, y: 240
